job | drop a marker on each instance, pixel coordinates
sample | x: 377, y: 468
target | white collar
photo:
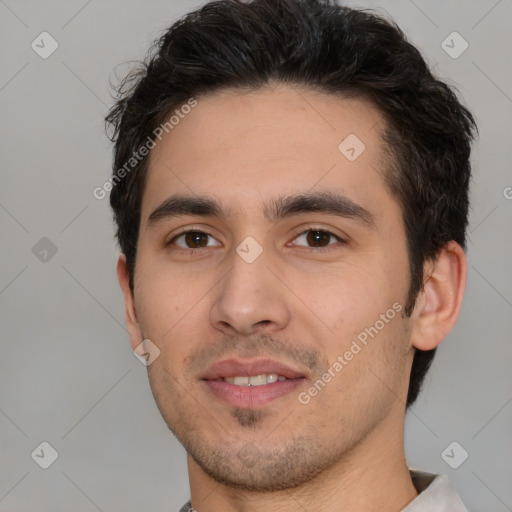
x: 435, y: 493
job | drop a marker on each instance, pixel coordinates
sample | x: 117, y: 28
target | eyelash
x: 304, y: 231
x: 324, y: 231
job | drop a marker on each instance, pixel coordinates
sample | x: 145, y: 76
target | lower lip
x: 251, y: 396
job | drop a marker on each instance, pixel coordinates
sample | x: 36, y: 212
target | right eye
x: 193, y: 240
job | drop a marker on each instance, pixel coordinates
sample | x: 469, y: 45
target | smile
x: 251, y: 383
x: 254, y: 380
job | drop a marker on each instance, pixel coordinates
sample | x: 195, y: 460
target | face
x: 292, y: 269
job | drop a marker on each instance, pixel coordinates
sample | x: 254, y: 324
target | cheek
x: 363, y: 308
x: 161, y: 301
x: 371, y: 369
x: 356, y: 298
x: 173, y: 311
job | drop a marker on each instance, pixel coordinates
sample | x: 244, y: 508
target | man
x: 291, y: 193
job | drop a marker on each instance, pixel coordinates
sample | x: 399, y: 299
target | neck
x: 372, y: 477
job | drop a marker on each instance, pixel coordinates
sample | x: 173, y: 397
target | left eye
x: 317, y: 238
x: 193, y: 240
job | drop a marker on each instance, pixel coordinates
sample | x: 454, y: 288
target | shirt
x: 435, y: 494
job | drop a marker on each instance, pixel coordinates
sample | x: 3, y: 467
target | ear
x: 132, y: 323
x: 438, y: 303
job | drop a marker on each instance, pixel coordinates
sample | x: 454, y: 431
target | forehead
x: 242, y: 146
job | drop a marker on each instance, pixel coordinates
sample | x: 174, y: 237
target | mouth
x: 251, y: 384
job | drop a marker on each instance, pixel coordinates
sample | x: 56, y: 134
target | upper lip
x: 239, y: 367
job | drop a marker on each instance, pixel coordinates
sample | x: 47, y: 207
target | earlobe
x: 132, y: 322
x: 439, y: 302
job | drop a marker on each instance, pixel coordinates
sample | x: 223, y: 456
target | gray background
x: 67, y: 373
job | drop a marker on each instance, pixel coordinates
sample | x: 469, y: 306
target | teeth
x: 255, y: 380
x: 241, y: 381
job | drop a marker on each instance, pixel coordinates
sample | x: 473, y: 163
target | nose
x: 250, y: 298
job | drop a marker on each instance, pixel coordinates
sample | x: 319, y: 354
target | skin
x: 294, y: 303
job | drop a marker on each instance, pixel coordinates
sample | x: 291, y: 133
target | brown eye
x: 317, y: 238
x: 193, y: 240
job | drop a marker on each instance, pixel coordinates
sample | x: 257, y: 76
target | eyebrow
x: 276, y: 210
